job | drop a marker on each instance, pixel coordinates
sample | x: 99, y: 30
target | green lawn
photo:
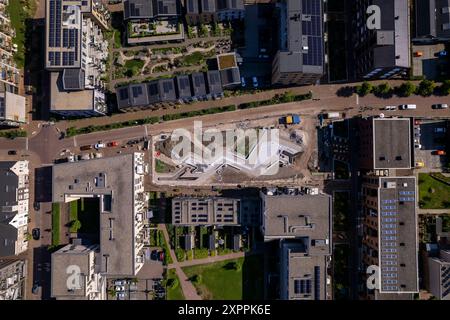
x: 117, y: 40
x: 161, y: 167
x: 219, y: 281
x: 193, y: 59
x: 174, y: 291
x: 341, y: 275
x: 433, y: 194
x: 56, y: 217
x: 19, y: 11
x: 73, y: 215
x: 133, y: 67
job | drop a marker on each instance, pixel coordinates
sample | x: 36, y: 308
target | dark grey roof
x: 230, y: 5
x: 230, y: 76
x: 198, y: 84
x: 192, y: 6
x: 135, y: 9
x: 211, y: 242
x: 431, y: 16
x: 187, y: 242
x: 183, y: 86
x: 392, y: 143
x: 214, y: 82
x: 208, y: 6
x: 236, y: 242
x: 398, y: 240
x: 9, y: 183
x: 167, y: 90
x: 123, y: 96
x: 8, y: 238
x: 73, y: 79
x: 138, y: 95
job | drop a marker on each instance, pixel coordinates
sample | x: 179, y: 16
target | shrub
x: 406, y: 89
x: 426, y: 88
x: 364, y: 89
x: 445, y: 87
x: 382, y: 90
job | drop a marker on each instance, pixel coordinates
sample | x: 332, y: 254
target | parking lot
x: 427, y: 63
x: 431, y: 138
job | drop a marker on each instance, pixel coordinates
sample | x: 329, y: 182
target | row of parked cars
x: 413, y: 107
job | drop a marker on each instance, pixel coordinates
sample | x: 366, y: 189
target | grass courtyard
x: 234, y: 279
x: 433, y: 194
x: 174, y: 291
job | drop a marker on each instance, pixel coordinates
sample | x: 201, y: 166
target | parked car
x: 418, y: 146
x: 440, y: 152
x: 37, y: 206
x: 161, y: 255
x: 113, y: 144
x: 420, y: 164
x: 407, y: 107
x: 440, y: 130
x: 255, y: 82
x: 390, y: 108
x: 121, y: 295
x: 35, y: 288
x: 440, y: 106
x: 120, y: 282
x: 243, y: 84
x: 154, y: 255
x: 85, y: 148
x: 36, y: 233
x: 12, y: 152
x: 120, y: 288
x: 99, y: 145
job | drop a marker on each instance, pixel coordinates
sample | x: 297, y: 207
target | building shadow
x: 43, y: 184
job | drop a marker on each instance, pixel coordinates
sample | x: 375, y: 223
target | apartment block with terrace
x: 76, y: 54
x: 13, y: 275
x: 118, y: 184
x: 9, y: 72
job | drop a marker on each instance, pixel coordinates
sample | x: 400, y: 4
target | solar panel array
x: 312, y: 28
x: 54, y: 36
x: 389, y: 222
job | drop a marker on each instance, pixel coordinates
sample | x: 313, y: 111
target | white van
x: 407, y: 107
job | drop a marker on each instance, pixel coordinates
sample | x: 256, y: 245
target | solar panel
x: 137, y: 91
x: 317, y: 283
x: 152, y: 89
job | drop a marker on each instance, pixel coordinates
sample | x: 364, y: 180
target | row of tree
x: 425, y: 88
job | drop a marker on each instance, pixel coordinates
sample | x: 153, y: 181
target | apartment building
x: 439, y: 275
x: 207, y: 11
x: 153, y: 21
x: 81, y: 263
x: 13, y: 275
x: 12, y: 108
x: 432, y: 19
x: 76, y: 56
x: 9, y: 72
x: 168, y: 92
x: 190, y: 211
x: 381, y: 53
x: 301, y: 55
x: 118, y: 184
x: 303, y: 225
x: 139, y: 96
x: 390, y: 234
x: 14, y: 197
x: 385, y: 143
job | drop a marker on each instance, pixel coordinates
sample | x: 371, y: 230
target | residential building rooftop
x: 117, y: 182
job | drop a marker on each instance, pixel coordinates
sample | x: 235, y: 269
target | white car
x: 120, y: 288
x: 255, y: 82
x: 390, y: 108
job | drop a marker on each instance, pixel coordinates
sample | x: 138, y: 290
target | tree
x: 406, y: 89
x: 364, y: 89
x: 75, y: 225
x: 383, y: 89
x: 445, y: 87
x: 426, y: 88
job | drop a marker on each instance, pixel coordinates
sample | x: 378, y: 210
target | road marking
x: 146, y: 131
x: 74, y: 142
x: 357, y: 99
x: 26, y: 144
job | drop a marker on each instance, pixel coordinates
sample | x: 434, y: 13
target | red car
x: 161, y: 256
x: 113, y: 144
